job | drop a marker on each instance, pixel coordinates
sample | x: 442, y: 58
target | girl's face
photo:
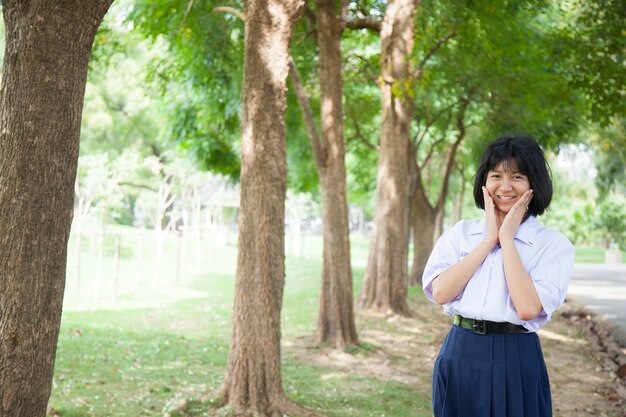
x: 506, y: 185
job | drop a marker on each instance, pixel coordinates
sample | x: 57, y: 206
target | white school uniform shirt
x: 547, y: 255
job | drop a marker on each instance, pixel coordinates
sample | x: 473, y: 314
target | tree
x: 384, y: 285
x: 335, y: 322
x: 427, y: 218
x: 252, y: 382
x: 477, y: 79
x: 609, y: 145
x: 611, y: 222
x: 43, y: 84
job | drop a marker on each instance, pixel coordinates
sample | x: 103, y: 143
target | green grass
x: 589, y: 255
x: 592, y: 254
x: 140, y: 333
x: 127, y: 350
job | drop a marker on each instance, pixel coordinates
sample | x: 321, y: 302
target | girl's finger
x: 527, y: 197
x: 524, y: 200
x: 486, y: 196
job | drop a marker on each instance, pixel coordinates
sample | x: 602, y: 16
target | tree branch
x: 460, y: 124
x: 369, y: 72
x: 309, y: 13
x: 419, y: 71
x: 365, y: 23
x: 189, y: 6
x: 133, y: 185
x: 431, y: 150
x: 343, y: 14
x: 431, y: 121
x: 360, y: 136
x: 227, y: 9
x: 303, y: 99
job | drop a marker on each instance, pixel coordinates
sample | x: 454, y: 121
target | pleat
x: 453, y: 400
x: 544, y: 399
x: 441, y: 376
x: 494, y: 375
x: 491, y: 393
x: 514, y: 383
x: 498, y: 379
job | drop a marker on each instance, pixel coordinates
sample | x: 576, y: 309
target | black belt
x: 485, y: 326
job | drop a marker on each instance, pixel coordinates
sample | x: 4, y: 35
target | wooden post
x: 138, y: 252
x: 117, y: 265
x: 179, y: 236
x: 78, y: 249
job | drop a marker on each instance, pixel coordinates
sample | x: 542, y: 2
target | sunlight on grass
x: 127, y: 348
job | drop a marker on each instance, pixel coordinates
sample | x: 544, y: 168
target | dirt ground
x: 405, y: 350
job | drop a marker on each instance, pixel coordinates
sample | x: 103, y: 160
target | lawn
x: 138, y: 333
x: 130, y: 345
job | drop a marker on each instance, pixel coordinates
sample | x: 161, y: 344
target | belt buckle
x: 479, y: 326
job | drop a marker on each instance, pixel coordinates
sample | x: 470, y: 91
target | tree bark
x: 335, y: 322
x: 458, y: 211
x: 252, y: 381
x: 43, y: 83
x: 384, y: 285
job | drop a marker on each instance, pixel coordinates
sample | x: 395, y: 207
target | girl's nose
x: 505, y: 184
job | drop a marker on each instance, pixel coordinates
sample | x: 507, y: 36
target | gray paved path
x: 602, y: 288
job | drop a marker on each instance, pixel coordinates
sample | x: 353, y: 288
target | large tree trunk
x: 45, y: 70
x: 335, y: 322
x: 252, y: 381
x: 384, y: 285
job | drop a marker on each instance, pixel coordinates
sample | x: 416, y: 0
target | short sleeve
x: 444, y: 255
x: 553, y: 272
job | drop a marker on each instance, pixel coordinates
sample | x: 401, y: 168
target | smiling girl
x: 501, y: 278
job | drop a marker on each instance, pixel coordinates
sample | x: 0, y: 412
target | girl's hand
x: 514, y: 217
x: 492, y: 218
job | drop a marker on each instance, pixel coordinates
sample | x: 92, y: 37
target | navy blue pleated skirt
x: 492, y: 375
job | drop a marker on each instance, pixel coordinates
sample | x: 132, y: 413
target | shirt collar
x: 525, y: 233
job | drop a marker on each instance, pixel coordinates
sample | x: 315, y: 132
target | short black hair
x: 527, y: 156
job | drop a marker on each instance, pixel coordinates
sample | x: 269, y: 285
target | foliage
x: 120, y: 112
x: 362, y: 106
x: 125, y: 139
x: 508, y: 71
x: 508, y: 58
x: 611, y: 221
x: 199, y: 79
x: 592, y: 46
x: 97, y: 184
x: 302, y: 173
x: 609, y: 144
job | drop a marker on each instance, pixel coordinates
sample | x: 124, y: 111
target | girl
x: 501, y: 278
